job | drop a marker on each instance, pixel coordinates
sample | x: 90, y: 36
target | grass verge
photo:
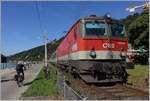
x: 42, y: 87
x: 138, y: 75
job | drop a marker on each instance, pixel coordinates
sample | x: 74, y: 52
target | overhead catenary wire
x: 42, y: 30
x: 38, y: 16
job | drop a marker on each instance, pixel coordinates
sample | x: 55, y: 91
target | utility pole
x: 45, y: 38
x: 46, y: 69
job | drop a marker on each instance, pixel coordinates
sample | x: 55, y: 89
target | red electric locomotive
x: 95, y: 49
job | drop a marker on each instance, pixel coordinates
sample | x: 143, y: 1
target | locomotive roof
x: 99, y: 18
x: 90, y: 18
x: 93, y: 17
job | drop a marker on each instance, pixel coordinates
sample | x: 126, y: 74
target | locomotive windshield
x: 117, y: 30
x: 95, y: 29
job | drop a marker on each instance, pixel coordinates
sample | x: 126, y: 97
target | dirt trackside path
x: 9, y: 88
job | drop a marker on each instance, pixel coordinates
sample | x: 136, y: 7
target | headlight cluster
x: 93, y: 53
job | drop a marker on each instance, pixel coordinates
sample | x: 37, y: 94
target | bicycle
x: 19, y: 79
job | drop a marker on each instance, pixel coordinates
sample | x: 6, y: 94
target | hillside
x: 37, y: 53
x: 137, y: 26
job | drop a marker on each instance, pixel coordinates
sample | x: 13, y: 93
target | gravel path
x: 9, y: 88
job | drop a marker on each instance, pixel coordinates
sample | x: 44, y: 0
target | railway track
x: 107, y: 92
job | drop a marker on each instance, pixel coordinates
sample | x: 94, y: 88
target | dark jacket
x: 19, y: 68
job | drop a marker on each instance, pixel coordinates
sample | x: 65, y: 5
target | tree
x: 137, y: 27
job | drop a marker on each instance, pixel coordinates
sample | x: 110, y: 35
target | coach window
x: 75, y: 33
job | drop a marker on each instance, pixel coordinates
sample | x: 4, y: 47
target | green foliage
x: 142, y: 58
x: 137, y: 26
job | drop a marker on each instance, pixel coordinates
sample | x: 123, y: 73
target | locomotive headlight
x: 123, y: 53
x: 93, y: 53
x: 107, y: 15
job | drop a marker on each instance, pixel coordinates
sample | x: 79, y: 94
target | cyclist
x: 20, y: 72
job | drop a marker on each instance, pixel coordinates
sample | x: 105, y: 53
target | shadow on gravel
x: 6, y: 80
x: 28, y: 83
x: 106, y: 84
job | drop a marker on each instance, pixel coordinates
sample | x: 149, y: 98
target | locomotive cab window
x: 117, y: 30
x: 75, y: 33
x: 95, y: 29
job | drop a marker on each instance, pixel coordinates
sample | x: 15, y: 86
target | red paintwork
x: 88, y: 44
x: 97, y: 44
x: 63, y: 48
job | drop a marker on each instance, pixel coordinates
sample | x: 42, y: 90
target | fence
x: 68, y: 92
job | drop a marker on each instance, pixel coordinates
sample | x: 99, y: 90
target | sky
x: 25, y: 23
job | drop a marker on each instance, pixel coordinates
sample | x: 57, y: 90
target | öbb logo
x: 108, y: 45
